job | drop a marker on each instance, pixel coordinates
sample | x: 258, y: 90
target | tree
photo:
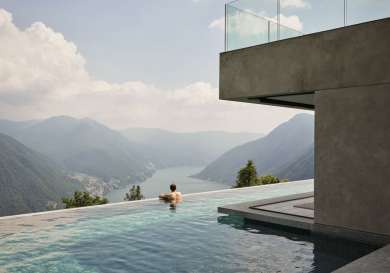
x: 268, y: 179
x: 83, y: 199
x: 51, y: 205
x: 247, y: 176
x: 134, y: 194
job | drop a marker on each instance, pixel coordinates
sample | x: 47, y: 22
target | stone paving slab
x: 248, y: 211
x: 290, y: 207
x: 306, y: 206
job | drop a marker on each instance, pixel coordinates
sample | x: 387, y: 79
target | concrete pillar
x: 352, y: 158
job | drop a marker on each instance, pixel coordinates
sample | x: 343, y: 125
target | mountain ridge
x: 85, y: 146
x: 171, y: 149
x: 28, y: 180
x: 271, y: 154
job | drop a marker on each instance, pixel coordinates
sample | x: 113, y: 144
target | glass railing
x: 254, y: 22
x: 244, y: 28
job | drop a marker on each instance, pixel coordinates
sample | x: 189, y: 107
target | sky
x: 148, y: 63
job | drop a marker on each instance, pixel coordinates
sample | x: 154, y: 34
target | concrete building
x: 343, y: 75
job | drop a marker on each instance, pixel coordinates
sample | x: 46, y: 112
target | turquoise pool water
x: 150, y: 236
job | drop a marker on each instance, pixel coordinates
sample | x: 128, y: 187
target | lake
x: 161, y: 180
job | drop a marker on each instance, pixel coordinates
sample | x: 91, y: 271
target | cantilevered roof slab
x: 288, y: 72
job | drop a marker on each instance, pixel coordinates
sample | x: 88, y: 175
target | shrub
x: 134, y: 194
x: 83, y: 199
x: 247, y: 177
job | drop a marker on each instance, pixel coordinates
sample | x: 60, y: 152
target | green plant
x: 268, y: 179
x: 247, y: 177
x: 83, y: 199
x: 134, y: 194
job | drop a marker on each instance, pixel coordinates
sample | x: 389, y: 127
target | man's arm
x: 166, y: 196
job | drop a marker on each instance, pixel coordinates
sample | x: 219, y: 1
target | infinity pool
x: 150, y: 236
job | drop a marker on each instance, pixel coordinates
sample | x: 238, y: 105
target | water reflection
x: 172, y: 204
x: 241, y: 223
x: 328, y: 253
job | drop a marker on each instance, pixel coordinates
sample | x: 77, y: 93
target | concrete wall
x: 349, y: 71
x: 352, y: 158
x: 328, y: 60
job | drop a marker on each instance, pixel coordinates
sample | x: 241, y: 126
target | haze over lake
x: 161, y: 180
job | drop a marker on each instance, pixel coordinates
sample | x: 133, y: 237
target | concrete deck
x: 285, y: 211
x: 375, y: 262
x: 293, y: 207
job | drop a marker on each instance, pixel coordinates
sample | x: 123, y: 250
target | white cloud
x: 243, y: 23
x: 292, y: 21
x: 218, y: 23
x: 30, y: 60
x: 294, y: 3
x: 42, y: 75
x: 247, y: 24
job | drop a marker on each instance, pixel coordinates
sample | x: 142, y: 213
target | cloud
x: 42, y: 74
x: 292, y: 21
x: 294, y: 3
x: 249, y: 25
x: 243, y: 23
x: 218, y: 23
x: 37, y: 59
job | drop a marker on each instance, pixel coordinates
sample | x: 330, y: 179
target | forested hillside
x: 286, y: 152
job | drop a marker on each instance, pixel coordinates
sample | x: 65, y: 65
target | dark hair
x: 172, y: 187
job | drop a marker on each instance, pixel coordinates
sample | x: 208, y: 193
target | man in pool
x: 174, y: 196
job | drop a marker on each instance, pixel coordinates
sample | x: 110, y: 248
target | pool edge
x: 31, y: 214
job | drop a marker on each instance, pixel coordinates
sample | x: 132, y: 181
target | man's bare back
x: 172, y: 196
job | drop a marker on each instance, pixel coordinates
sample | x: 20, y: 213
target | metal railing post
x: 269, y: 31
x: 278, y: 16
x: 225, y: 27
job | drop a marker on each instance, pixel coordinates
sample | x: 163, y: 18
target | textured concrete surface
x: 352, y: 155
x: 375, y: 262
x: 352, y: 56
x: 250, y: 210
x: 309, y: 205
x: 349, y: 71
x: 292, y: 207
x: 369, y: 238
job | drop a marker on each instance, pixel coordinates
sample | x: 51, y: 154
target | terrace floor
x: 296, y: 211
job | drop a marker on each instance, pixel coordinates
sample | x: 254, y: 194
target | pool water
x: 150, y: 236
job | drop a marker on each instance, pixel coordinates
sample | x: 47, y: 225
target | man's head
x: 172, y: 187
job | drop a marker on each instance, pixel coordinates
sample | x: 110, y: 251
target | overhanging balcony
x: 269, y: 62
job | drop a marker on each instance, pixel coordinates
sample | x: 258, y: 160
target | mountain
x: 169, y: 149
x: 286, y: 152
x: 28, y: 180
x: 301, y: 168
x: 85, y: 146
x: 13, y: 128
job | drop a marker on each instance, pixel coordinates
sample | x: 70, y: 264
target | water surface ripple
x: 150, y: 237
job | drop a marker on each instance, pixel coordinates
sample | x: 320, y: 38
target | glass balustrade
x: 255, y: 22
